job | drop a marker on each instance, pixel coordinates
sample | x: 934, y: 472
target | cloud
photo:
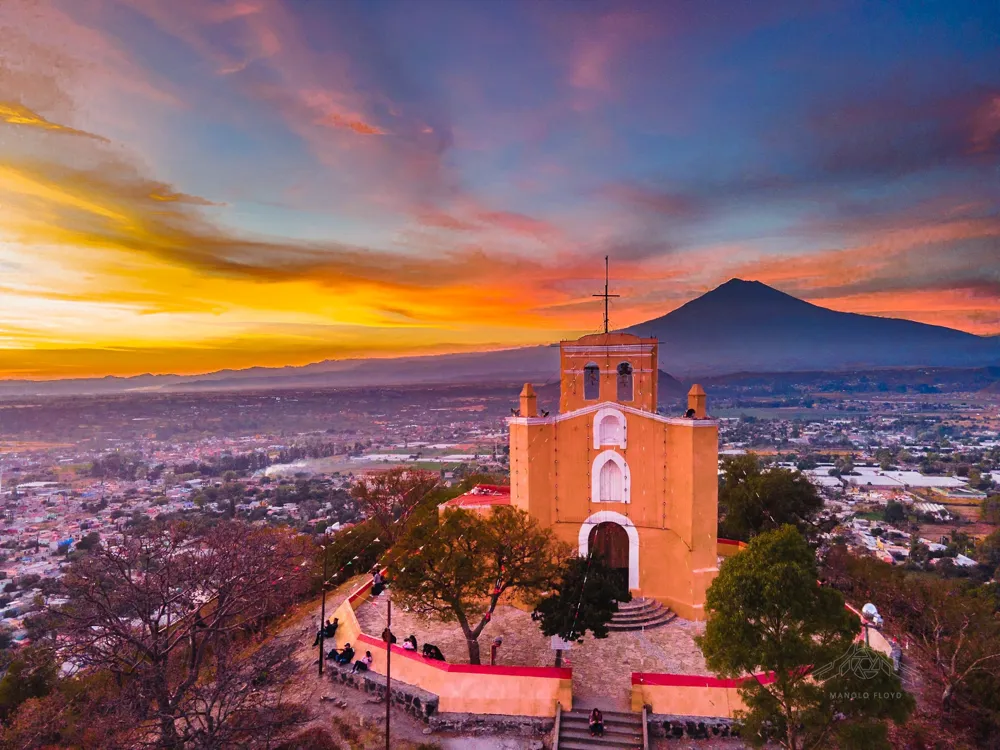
x: 18, y: 115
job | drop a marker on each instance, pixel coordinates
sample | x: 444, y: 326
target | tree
x: 956, y: 629
x: 166, y: 613
x: 89, y: 542
x: 988, y: 551
x: 585, y: 598
x: 753, y: 499
x: 894, y: 512
x: 389, y: 496
x: 989, y: 510
x: 766, y: 611
x: 459, y: 566
x: 31, y: 675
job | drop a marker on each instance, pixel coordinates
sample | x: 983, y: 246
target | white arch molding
x: 605, y: 418
x: 605, y: 516
x: 595, y: 476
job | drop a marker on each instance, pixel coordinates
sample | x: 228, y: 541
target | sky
x: 193, y: 185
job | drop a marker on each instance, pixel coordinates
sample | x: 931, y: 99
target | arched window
x: 609, y: 428
x: 624, y: 382
x: 609, y: 478
x: 592, y: 382
x: 611, y: 482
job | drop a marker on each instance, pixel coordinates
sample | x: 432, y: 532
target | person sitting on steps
x: 596, y: 723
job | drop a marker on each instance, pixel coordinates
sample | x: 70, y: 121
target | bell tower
x: 601, y: 367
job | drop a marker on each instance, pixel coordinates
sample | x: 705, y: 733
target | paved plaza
x: 602, y: 668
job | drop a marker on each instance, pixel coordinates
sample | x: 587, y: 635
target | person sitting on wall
x: 378, y: 583
x: 363, y: 664
x: 331, y: 628
x: 323, y: 632
x: 596, y: 723
x: 345, y: 655
x: 387, y: 636
x: 410, y: 643
x: 433, y: 652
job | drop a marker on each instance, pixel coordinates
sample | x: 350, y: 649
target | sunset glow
x: 194, y: 185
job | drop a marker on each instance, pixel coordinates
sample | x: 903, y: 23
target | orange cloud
x: 16, y: 114
x: 964, y: 309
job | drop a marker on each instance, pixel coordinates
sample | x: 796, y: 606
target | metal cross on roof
x: 606, y: 296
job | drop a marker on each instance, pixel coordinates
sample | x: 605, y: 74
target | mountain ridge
x: 740, y: 326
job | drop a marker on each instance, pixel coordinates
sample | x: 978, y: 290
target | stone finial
x: 529, y: 402
x: 697, y: 402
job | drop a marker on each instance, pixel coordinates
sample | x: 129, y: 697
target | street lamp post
x: 322, y: 615
x: 388, y: 662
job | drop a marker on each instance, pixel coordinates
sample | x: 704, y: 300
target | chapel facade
x: 612, y: 477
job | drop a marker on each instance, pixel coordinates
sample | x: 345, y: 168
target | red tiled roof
x: 480, y: 495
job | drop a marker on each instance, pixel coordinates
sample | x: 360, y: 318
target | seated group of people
x: 344, y: 656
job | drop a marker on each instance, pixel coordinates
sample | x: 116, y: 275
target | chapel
x: 613, y: 477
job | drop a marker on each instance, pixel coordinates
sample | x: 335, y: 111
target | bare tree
x: 388, y: 496
x: 167, y: 614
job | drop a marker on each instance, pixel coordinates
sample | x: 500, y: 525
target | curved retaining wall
x: 461, y: 688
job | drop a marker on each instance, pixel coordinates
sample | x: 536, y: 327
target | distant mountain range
x: 741, y: 326
x: 747, y: 326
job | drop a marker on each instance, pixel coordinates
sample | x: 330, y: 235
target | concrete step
x: 610, y: 729
x: 597, y: 742
x: 646, y: 614
x: 661, y: 619
x: 609, y: 738
x: 612, y: 719
x: 637, y: 605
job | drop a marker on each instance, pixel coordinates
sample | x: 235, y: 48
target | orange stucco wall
x: 608, y: 350
x: 461, y: 688
x: 687, y: 695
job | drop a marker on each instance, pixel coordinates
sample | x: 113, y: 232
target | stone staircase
x: 641, y: 614
x: 622, y: 731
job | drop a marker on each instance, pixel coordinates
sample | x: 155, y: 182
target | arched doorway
x: 610, y: 541
x: 625, y: 524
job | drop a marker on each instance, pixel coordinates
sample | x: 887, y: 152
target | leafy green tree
x: 753, y: 499
x: 989, y: 510
x: 31, y: 675
x: 894, y: 512
x: 767, y: 611
x: 988, y: 551
x: 459, y: 566
x: 585, y: 598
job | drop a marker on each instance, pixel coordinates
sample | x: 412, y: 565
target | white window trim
x: 633, y: 540
x: 595, y: 476
x: 599, y: 417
